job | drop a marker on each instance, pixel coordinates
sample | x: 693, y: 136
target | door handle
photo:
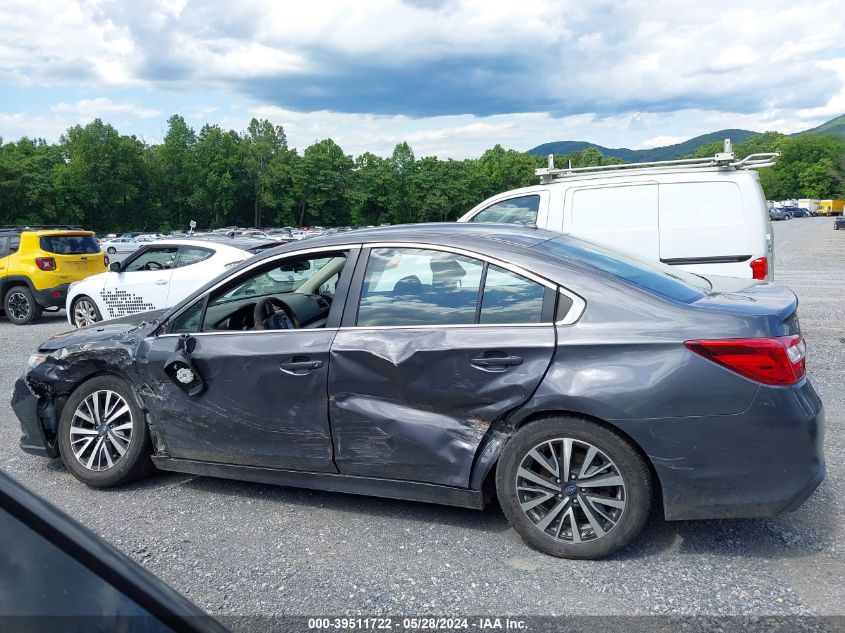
x: 299, y: 366
x: 487, y: 361
x: 161, y: 282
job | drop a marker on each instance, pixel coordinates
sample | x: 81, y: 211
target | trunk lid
x: 749, y: 297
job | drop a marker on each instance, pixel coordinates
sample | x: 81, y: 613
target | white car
x: 119, y: 248
x: 158, y: 275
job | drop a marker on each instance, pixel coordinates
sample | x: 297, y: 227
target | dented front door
x: 413, y: 404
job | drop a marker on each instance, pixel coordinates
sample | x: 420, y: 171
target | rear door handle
x: 496, y: 362
x: 299, y: 366
x: 161, y: 282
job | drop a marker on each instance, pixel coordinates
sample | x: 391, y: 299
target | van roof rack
x: 40, y: 227
x: 725, y: 159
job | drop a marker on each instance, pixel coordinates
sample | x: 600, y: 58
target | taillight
x: 780, y: 360
x: 106, y: 260
x: 45, y: 263
x: 760, y: 268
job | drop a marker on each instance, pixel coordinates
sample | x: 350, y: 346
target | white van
x: 708, y: 216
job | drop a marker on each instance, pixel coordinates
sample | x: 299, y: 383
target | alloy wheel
x: 18, y: 306
x: 101, y: 430
x: 84, y: 313
x: 570, y: 490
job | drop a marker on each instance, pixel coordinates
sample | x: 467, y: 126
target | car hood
x: 94, y: 280
x: 121, y: 329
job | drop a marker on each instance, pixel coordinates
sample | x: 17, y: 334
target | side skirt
x: 370, y: 486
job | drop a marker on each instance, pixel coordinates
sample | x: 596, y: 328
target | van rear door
x: 624, y: 216
x: 703, y: 225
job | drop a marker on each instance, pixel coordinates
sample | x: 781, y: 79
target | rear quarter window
x: 69, y: 244
x: 652, y: 276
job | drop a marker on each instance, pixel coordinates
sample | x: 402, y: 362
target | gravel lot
x: 240, y: 548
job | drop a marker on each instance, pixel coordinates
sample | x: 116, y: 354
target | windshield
x: 666, y: 281
x: 285, y: 278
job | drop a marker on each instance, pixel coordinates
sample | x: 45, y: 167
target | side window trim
x: 353, y: 297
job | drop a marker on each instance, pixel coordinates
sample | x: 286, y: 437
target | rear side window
x: 522, y: 210
x: 510, y: 298
x: 407, y: 286
x: 4, y: 246
x: 69, y: 244
x: 655, y: 277
x: 193, y: 255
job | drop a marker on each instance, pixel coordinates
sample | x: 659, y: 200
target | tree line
x: 106, y: 181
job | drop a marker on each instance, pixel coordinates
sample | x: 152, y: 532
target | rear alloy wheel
x: 111, y: 250
x: 572, y: 488
x: 20, y: 306
x: 103, y: 436
x: 85, y: 312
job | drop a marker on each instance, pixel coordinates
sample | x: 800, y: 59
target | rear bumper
x: 764, y: 461
x: 51, y: 297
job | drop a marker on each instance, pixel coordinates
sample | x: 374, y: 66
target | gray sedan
x: 450, y: 363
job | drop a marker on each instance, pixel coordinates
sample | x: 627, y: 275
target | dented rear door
x: 414, y: 402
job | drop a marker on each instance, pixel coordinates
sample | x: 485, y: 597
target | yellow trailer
x: 831, y: 207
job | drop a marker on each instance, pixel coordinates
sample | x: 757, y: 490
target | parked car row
x: 787, y: 213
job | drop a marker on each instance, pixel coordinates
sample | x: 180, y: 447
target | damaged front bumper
x: 39, y: 423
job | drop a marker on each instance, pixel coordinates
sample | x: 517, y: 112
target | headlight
x: 35, y: 360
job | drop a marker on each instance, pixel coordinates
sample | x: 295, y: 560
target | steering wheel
x: 154, y: 265
x: 271, y: 313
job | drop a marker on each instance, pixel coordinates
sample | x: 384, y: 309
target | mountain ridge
x: 683, y: 149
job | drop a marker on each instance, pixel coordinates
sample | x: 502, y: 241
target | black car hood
x: 115, y: 329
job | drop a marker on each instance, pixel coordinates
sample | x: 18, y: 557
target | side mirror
x: 114, y: 267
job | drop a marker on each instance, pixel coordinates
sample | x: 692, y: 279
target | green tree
x: 324, y: 178
x: 263, y: 143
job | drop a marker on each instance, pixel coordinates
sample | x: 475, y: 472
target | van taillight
x: 780, y: 360
x: 45, y: 263
x: 760, y: 268
x: 106, y: 260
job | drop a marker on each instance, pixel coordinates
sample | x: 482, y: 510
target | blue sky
x: 451, y: 78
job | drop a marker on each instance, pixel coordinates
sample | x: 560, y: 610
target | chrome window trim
x: 230, y: 332
x: 574, y: 313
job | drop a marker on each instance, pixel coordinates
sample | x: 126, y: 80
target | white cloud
x: 87, y: 109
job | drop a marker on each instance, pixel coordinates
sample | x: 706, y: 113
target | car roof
x: 213, y: 244
x: 465, y: 234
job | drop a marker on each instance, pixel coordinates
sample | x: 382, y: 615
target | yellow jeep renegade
x: 38, y: 264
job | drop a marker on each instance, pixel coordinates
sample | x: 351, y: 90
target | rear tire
x: 84, y: 311
x: 565, y: 518
x: 111, y: 250
x: 103, y: 436
x: 20, y: 306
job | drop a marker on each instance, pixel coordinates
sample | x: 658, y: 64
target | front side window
x: 522, y: 210
x: 189, y: 321
x: 193, y: 255
x: 301, y: 288
x: 510, y: 298
x: 157, y: 258
x: 407, y: 286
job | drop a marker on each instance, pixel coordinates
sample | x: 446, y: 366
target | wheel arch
x: 9, y: 282
x: 484, y: 470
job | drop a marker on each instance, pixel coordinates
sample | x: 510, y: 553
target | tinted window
x: 522, y: 210
x: 70, y: 244
x: 406, y: 286
x: 193, y: 255
x: 4, y: 246
x: 189, y: 320
x: 14, y: 243
x: 159, y: 258
x: 510, y: 298
x: 650, y: 275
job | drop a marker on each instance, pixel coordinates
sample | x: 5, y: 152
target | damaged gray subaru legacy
x: 449, y: 363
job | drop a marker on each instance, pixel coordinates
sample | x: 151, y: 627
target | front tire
x: 84, y: 311
x: 111, y: 250
x: 103, y: 436
x: 572, y: 488
x: 20, y: 306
